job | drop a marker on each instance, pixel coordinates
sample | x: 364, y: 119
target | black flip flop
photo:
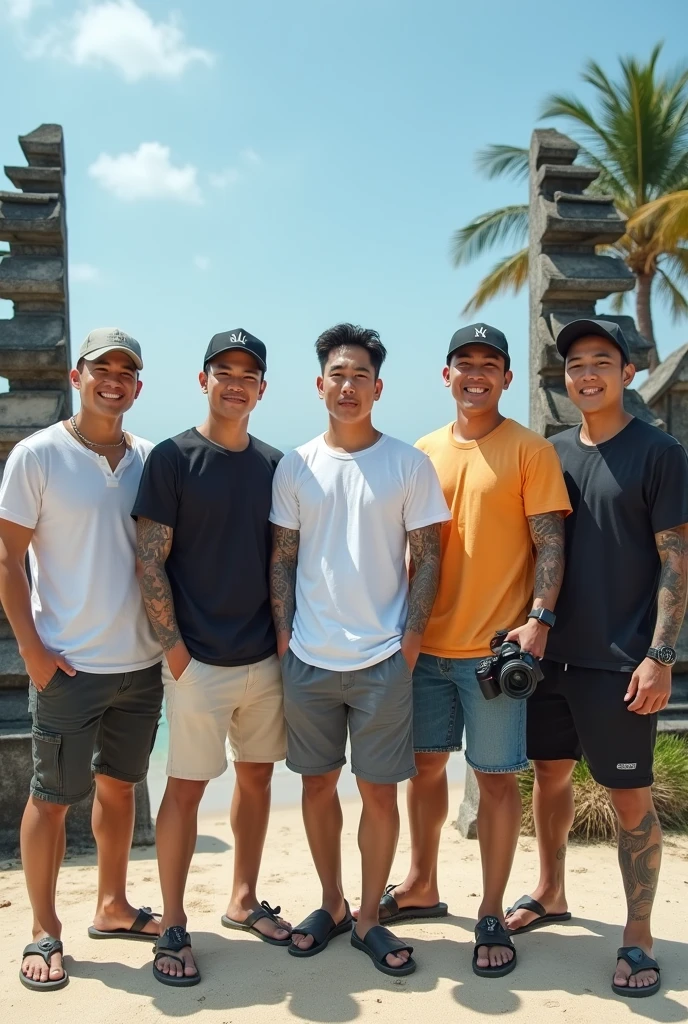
x: 543, y: 917
x: 378, y: 943
x: 390, y: 911
x: 490, y: 931
x: 638, y: 960
x: 170, y: 942
x: 135, y: 932
x: 322, y: 927
x: 45, y: 948
x: 264, y: 910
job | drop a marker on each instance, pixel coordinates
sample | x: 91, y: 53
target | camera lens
x: 517, y: 681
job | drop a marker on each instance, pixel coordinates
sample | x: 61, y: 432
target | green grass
x: 595, y: 820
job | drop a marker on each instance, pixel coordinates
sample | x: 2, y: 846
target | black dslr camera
x: 510, y: 670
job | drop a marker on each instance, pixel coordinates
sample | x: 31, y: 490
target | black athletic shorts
x: 581, y: 712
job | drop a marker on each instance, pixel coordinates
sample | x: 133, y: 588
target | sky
x: 281, y: 167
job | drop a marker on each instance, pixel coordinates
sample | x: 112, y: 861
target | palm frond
x: 487, y: 230
x: 618, y: 302
x: 666, y: 219
x: 510, y: 161
x: 509, y: 275
x: 672, y: 295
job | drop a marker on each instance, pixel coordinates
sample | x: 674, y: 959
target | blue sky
x: 282, y: 166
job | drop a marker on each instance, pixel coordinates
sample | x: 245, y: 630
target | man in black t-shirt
x: 202, y: 559
x: 610, y: 652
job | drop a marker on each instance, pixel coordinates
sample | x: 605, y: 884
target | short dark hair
x: 82, y: 359
x: 349, y: 334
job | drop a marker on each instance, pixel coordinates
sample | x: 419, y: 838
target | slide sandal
x: 135, y: 932
x: 45, y: 948
x: 542, y: 919
x: 378, y: 943
x: 390, y: 911
x: 489, y: 931
x: 322, y: 927
x: 170, y: 942
x: 265, y: 910
x: 638, y: 960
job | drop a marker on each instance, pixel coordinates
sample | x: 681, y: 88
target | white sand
x: 563, y: 973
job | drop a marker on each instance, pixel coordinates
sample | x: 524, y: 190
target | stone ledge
x: 36, y: 179
x: 582, y: 276
x: 23, y: 277
x: 12, y: 672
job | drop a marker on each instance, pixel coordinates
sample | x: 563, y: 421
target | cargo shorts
x: 91, y: 723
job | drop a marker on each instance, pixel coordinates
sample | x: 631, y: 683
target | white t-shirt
x: 85, y: 598
x: 353, y: 512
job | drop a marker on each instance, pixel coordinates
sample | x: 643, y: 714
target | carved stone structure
x: 567, y: 276
x: 35, y: 360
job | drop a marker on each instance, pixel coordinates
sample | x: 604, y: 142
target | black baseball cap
x: 600, y: 328
x: 237, y: 339
x: 480, y: 334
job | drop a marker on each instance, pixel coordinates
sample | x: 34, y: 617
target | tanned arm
x: 650, y: 686
x: 15, y: 594
x: 424, y: 546
x: 283, y: 561
x: 153, y: 545
x: 547, y: 533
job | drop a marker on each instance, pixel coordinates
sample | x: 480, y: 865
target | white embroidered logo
x: 237, y: 339
x: 627, y: 767
x: 481, y: 332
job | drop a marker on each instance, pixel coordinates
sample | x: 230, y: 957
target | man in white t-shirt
x: 349, y: 628
x: 90, y: 653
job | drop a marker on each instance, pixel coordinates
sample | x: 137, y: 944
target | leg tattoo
x: 640, y: 854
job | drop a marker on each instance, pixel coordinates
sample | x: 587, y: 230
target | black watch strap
x: 543, y: 615
x: 663, y: 655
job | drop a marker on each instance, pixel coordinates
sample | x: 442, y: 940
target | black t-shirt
x: 217, y: 503
x: 623, y: 492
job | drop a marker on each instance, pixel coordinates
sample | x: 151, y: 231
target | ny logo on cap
x: 481, y: 332
x: 237, y: 339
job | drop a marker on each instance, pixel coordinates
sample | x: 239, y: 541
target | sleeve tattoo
x: 424, y: 546
x: 640, y: 853
x: 153, y: 544
x: 285, y: 550
x: 547, y: 532
x: 672, y: 546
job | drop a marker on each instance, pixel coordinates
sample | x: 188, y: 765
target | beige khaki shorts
x: 209, y: 704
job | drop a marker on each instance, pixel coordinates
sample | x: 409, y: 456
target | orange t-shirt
x: 487, y: 572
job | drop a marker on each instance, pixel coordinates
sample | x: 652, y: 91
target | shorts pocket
x: 53, y: 681
x: 47, y: 772
x: 404, y: 666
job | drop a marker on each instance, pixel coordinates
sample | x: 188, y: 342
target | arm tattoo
x: 672, y: 546
x: 153, y: 544
x: 640, y: 853
x: 547, y: 531
x: 285, y: 550
x: 424, y: 545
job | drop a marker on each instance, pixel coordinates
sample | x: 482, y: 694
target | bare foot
x: 304, y: 941
x: 494, y: 956
x: 553, y: 902
x: 279, y: 929
x: 34, y: 967
x: 166, y: 965
x: 114, y: 918
x: 643, y: 979
x: 409, y: 895
x: 392, y: 959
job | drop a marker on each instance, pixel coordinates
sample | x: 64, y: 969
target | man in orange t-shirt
x: 502, y: 567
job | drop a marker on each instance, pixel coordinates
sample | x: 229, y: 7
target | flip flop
x: 638, y: 960
x: 265, y: 910
x: 543, y: 917
x: 378, y: 943
x: 322, y: 927
x: 170, y: 942
x: 490, y: 931
x: 134, y: 932
x: 390, y: 911
x: 45, y: 948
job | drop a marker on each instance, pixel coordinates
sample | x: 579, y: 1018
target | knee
x: 631, y: 805
x: 46, y: 809
x: 553, y: 774
x: 431, y: 769
x: 319, y: 787
x: 113, y: 790
x: 497, y: 786
x: 378, y: 797
x: 186, y: 794
x: 254, y: 777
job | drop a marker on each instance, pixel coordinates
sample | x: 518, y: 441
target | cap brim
x: 478, y: 341
x: 98, y: 352
x: 580, y: 329
x: 237, y: 348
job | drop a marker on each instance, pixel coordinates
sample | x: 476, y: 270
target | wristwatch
x: 544, y: 616
x: 664, y: 655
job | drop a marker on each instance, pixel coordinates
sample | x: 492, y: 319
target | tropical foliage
x: 636, y: 134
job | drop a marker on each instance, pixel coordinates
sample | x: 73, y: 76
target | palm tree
x: 637, y: 137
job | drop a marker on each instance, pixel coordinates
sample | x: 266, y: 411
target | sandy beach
x: 563, y: 973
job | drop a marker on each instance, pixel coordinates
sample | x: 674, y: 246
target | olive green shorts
x: 90, y: 723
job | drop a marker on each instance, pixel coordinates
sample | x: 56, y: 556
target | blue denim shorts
x: 447, y: 697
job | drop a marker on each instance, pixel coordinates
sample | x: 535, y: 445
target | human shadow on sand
x: 241, y: 971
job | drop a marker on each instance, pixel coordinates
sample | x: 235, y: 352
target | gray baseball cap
x: 110, y: 339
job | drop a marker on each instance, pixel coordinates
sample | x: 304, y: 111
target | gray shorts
x: 92, y: 723
x: 377, y: 704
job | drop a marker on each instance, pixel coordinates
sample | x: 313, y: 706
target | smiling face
x: 596, y: 374
x: 109, y: 385
x: 477, y: 378
x: 348, y: 384
x: 234, y: 384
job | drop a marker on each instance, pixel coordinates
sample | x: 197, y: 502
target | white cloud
x: 202, y: 263
x: 121, y: 35
x: 249, y: 156
x: 148, y: 173
x: 83, y: 273
x: 19, y: 10
x: 223, y: 179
